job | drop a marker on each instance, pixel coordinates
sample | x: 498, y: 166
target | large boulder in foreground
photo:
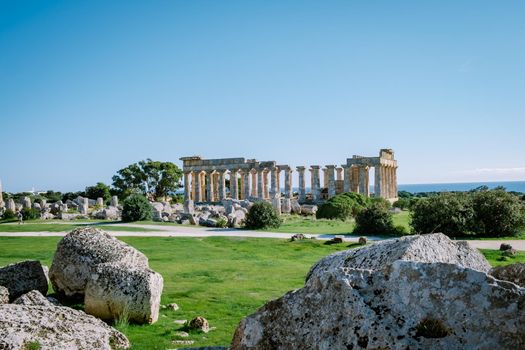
x: 33, y: 298
x: 405, y: 305
x: 4, y: 295
x: 514, y: 273
x: 22, y: 277
x: 116, y: 291
x: 434, y: 247
x: 55, y: 327
x: 80, y: 251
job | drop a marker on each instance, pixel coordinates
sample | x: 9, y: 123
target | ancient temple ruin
x: 211, y: 180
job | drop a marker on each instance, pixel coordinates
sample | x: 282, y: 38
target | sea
x: 516, y: 186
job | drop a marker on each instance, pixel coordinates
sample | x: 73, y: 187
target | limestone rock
x: 34, y: 298
x: 4, y: 295
x: 199, y: 323
x: 434, y: 247
x: 22, y: 277
x: 114, y: 201
x: 391, y: 308
x: 100, y: 202
x: 308, y: 209
x: 286, y: 207
x: 114, y: 290
x: 514, y: 273
x: 362, y: 240
x: 80, y: 251
x: 55, y: 327
x: 295, y: 207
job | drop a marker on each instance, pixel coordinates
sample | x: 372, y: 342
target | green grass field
x: 222, y: 279
x: 43, y: 226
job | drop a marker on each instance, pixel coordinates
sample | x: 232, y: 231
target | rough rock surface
x: 514, y: 273
x: 115, y: 289
x: 55, y: 327
x: 434, y: 247
x: 80, y: 251
x: 22, y: 277
x: 34, y: 298
x: 391, y: 308
x: 4, y: 295
x: 199, y: 323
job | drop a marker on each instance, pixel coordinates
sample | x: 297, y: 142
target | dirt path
x: 197, y: 231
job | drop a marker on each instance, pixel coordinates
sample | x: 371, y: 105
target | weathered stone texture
x: 114, y: 289
x: 32, y: 298
x: 424, y: 248
x: 80, y: 251
x: 22, y: 277
x: 514, y: 273
x: 344, y: 308
x: 4, y: 295
x: 55, y: 327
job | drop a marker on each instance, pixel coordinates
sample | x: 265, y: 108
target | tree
x: 343, y: 206
x: 148, y: 177
x: 136, y: 208
x: 376, y: 219
x: 449, y: 213
x: 498, y: 213
x: 100, y: 190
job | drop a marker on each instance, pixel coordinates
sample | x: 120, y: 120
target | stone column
x: 363, y: 174
x: 273, y: 183
x: 187, y: 189
x: 315, y: 185
x: 260, y: 184
x: 354, y: 179
x: 388, y: 183
x: 198, y: 187
x: 246, y: 183
x: 215, y: 186
x: 377, y: 181
x: 255, y: 190
x: 209, y: 186
x: 325, y: 178
x: 347, y: 178
x: 288, y: 189
x: 234, y: 184
x: 193, y: 185
x: 339, y: 174
x: 330, y: 175
x: 302, y: 185
x: 278, y: 172
x: 265, y: 184
x: 222, y: 185
x: 114, y: 201
x: 394, y: 181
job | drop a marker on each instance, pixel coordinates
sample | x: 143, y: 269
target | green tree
x: 449, y: 213
x: 376, y: 219
x: 343, y: 206
x: 498, y: 213
x: 136, y: 208
x: 100, y: 190
x: 148, y: 177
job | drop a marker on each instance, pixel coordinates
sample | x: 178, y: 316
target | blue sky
x: 88, y: 87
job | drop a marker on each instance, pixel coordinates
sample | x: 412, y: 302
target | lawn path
x: 185, y: 231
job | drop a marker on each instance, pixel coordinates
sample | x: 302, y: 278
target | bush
x: 222, y: 222
x: 262, y: 215
x: 30, y: 213
x: 376, y: 219
x: 136, y: 208
x: 342, y: 207
x: 498, y: 213
x: 9, y: 215
x: 449, y: 213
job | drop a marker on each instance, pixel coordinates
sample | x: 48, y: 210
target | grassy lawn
x: 42, y: 226
x: 309, y: 224
x: 222, y: 279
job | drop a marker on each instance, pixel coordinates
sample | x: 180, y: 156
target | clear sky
x: 88, y: 87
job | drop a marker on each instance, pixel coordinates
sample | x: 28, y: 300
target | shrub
x: 376, y: 219
x: 222, y: 222
x: 30, y: 213
x: 498, y: 213
x: 402, y: 203
x: 449, y: 213
x: 343, y: 206
x: 9, y: 214
x: 136, y: 208
x: 262, y: 215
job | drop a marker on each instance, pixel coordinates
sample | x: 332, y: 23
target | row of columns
x: 211, y: 185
